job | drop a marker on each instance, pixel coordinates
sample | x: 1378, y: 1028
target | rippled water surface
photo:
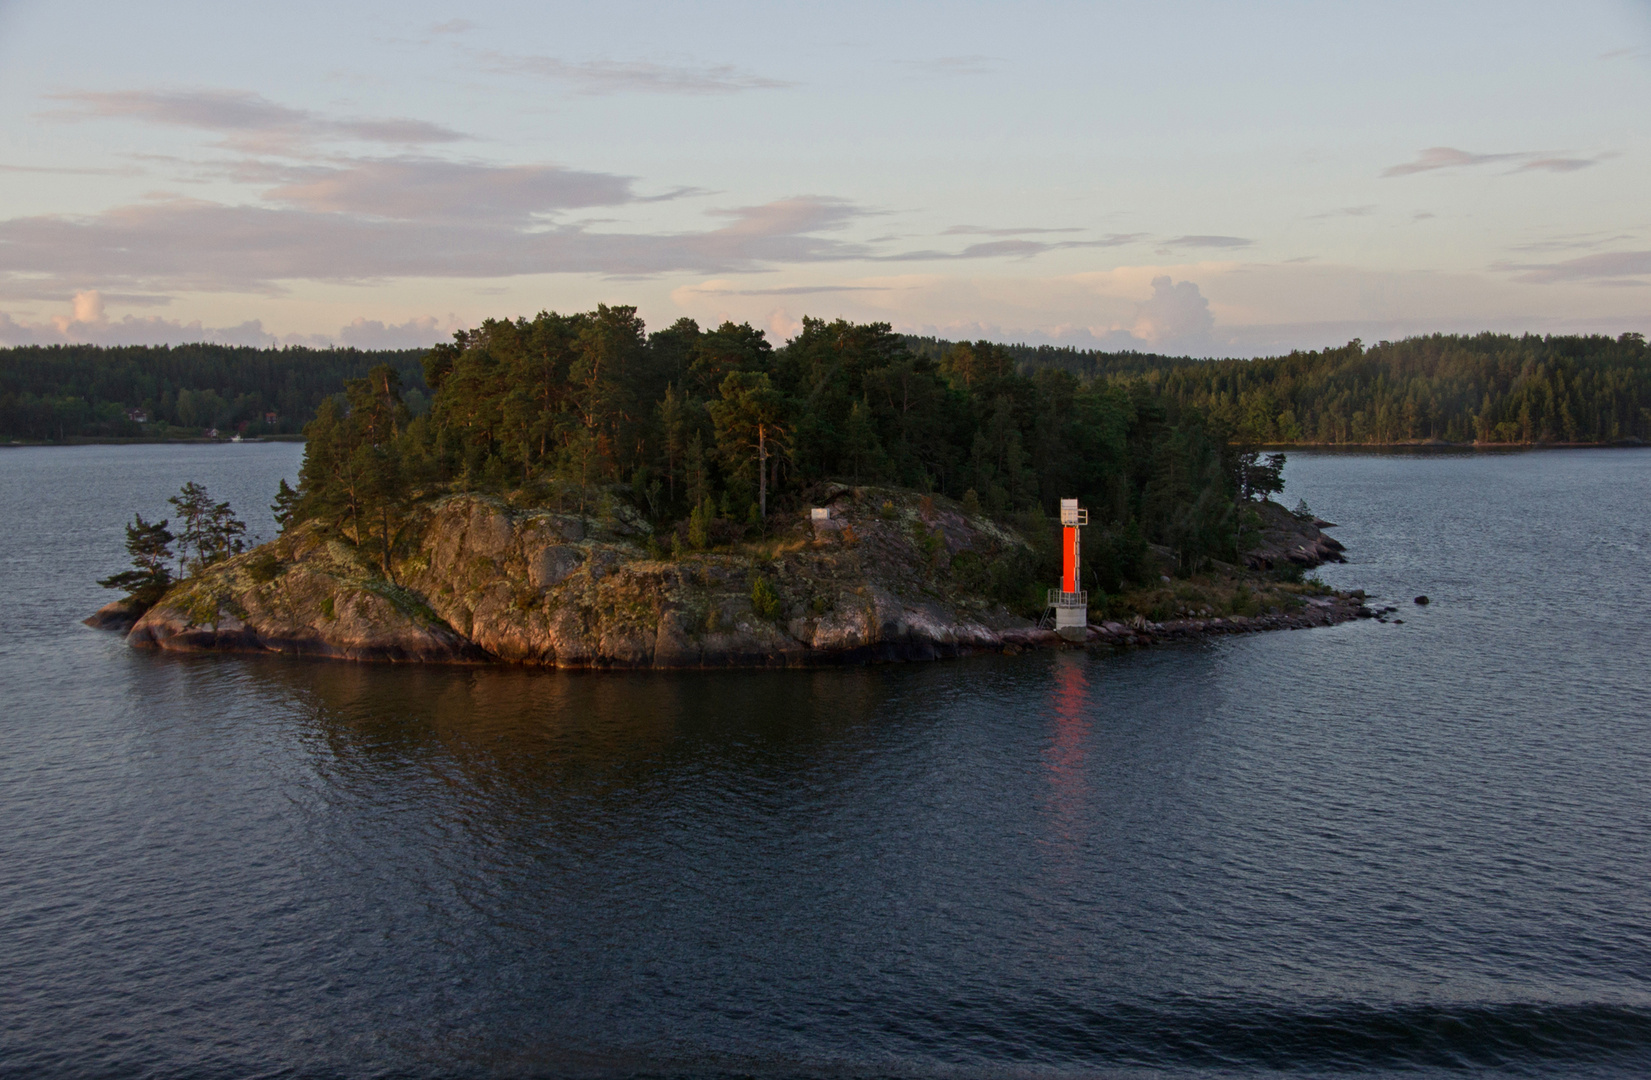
x: 1384, y: 848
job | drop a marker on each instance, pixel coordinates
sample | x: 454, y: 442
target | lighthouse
x: 1070, y: 602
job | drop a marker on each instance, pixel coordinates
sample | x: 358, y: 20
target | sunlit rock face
x: 477, y: 581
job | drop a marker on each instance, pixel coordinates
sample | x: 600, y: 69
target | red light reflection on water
x: 1064, y: 758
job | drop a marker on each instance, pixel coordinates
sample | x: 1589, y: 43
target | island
x: 583, y: 495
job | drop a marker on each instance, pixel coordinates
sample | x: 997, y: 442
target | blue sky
x: 1220, y: 179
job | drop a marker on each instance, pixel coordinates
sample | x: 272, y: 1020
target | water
x: 1412, y: 848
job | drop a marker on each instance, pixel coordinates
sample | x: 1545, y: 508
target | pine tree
x: 699, y: 524
x: 210, y: 530
x: 750, y: 426
x: 285, y: 506
x: 150, y: 545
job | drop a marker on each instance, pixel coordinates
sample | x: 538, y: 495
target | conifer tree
x: 210, y: 530
x: 285, y: 507
x: 150, y: 545
x: 750, y: 426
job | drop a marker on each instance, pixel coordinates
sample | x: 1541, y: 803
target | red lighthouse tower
x: 1070, y: 602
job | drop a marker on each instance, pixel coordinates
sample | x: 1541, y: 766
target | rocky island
x: 890, y: 576
x: 499, y: 526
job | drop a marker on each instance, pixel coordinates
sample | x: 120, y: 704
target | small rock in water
x: 1423, y: 601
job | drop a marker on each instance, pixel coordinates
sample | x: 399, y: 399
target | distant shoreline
x: 1443, y: 446
x: 1419, y: 444
x: 18, y: 444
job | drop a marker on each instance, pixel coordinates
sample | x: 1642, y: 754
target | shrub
x: 764, y: 600
x: 969, y: 572
x: 264, y: 567
x: 1288, y: 571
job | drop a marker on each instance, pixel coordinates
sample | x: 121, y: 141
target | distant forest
x: 60, y: 393
x: 1488, y: 388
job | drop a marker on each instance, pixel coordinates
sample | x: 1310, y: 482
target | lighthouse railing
x: 1060, y: 599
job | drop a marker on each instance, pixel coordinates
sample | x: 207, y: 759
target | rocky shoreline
x: 891, y: 576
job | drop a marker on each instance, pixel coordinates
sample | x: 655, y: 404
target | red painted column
x: 1069, y: 570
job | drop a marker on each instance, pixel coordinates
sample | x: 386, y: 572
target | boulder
x: 116, y: 615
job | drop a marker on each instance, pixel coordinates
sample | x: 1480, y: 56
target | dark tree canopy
x: 707, y: 431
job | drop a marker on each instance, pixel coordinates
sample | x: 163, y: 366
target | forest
x: 1485, y: 388
x: 61, y: 393
x: 710, y: 433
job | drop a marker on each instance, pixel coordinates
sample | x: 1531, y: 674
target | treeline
x: 1489, y: 388
x: 59, y: 392
x: 1486, y: 388
x: 711, y: 432
x: 1084, y: 363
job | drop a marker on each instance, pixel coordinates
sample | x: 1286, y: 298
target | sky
x: 1214, y: 179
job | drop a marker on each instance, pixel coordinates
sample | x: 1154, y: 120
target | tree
x: 1259, y: 477
x: 725, y: 350
x: 673, y: 424
x: 749, y: 421
x: 696, y: 473
x: 209, y: 529
x: 860, y: 443
x: 285, y: 506
x: 356, y: 479
x: 699, y: 524
x: 150, y: 545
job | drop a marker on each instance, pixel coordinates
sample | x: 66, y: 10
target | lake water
x: 1410, y: 848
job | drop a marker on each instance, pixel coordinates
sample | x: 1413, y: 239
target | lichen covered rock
x: 481, y: 581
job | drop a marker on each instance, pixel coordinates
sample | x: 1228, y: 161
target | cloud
x: 1445, y: 157
x: 1200, y: 241
x: 1448, y: 157
x: 416, y: 333
x: 1175, y: 317
x: 194, y: 245
x: 999, y: 249
x: 1575, y: 242
x: 1606, y: 268
x: 427, y: 189
x: 86, y: 323
x: 246, y: 120
x: 453, y: 26
x: 725, y: 288
x: 781, y: 326
x: 1346, y: 211
x: 1556, y: 164
x: 598, y: 77
x: 1253, y: 308
x: 52, y: 170
x: 981, y: 230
